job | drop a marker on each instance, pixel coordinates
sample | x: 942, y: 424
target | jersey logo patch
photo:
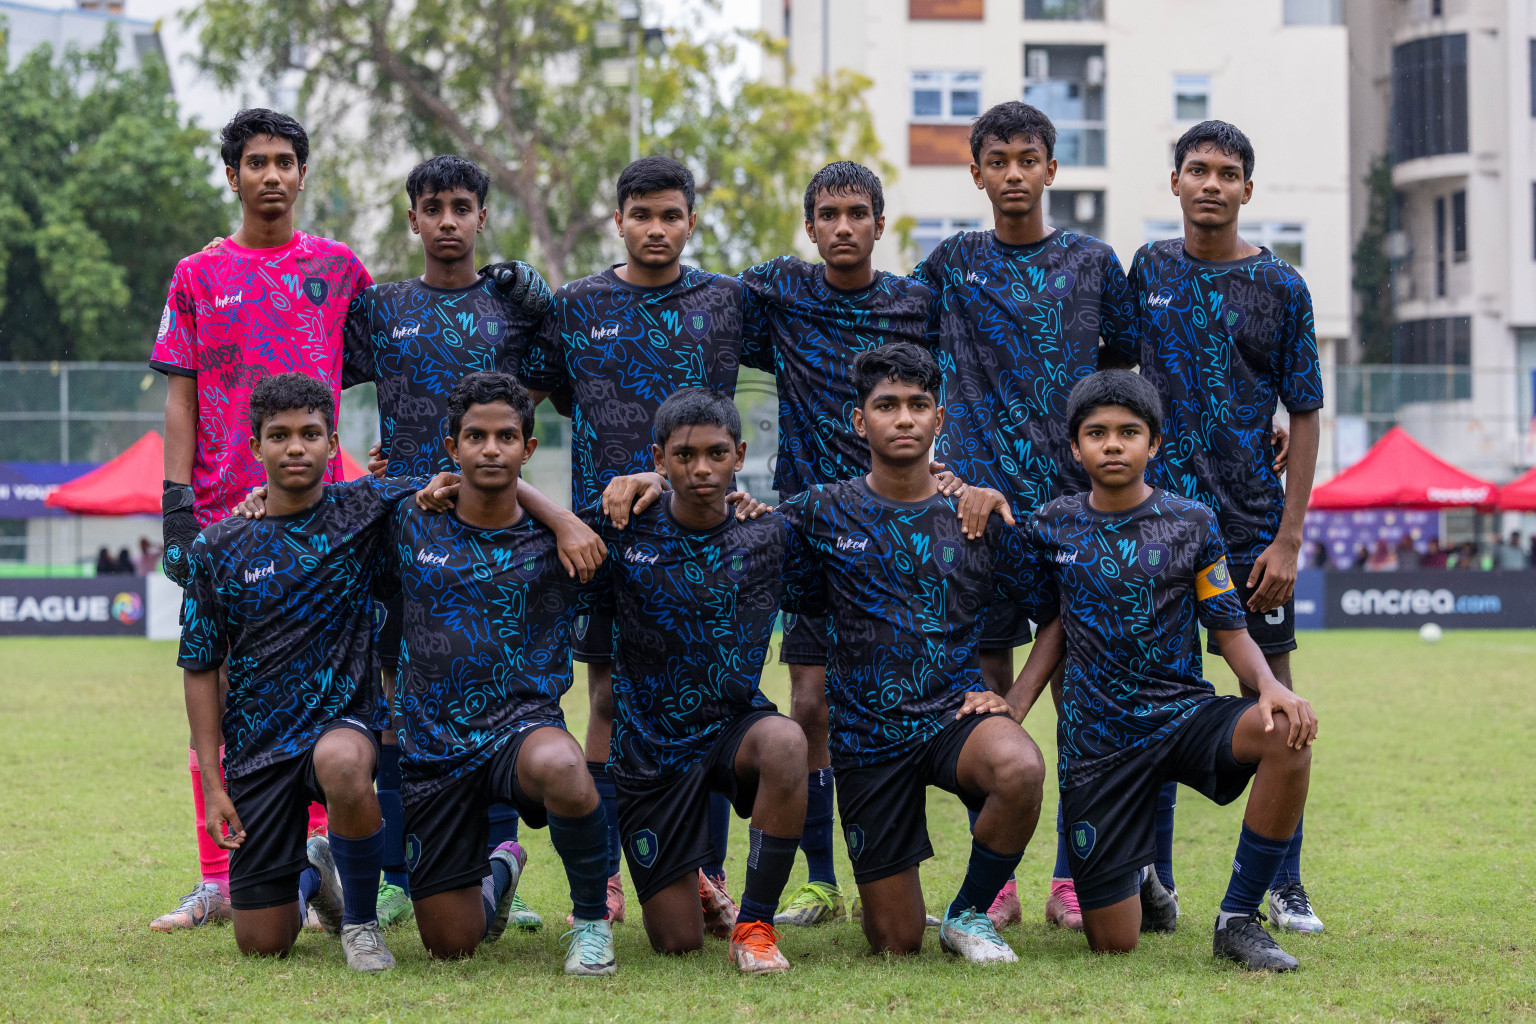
x: 1060, y: 284
x: 412, y: 851
x: 316, y: 289
x: 1083, y: 837
x: 736, y: 564
x: 1153, y: 558
x: 1213, y: 581
x: 947, y: 556
x: 1233, y: 318
x: 643, y: 847
x: 579, y: 626
x: 855, y: 841
x: 492, y: 328
x: 527, y: 567
x: 697, y: 322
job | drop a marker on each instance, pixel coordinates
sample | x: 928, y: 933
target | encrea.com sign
x: 1466, y: 599
x: 100, y: 606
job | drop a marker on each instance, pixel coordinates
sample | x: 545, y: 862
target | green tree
x: 517, y: 86
x: 105, y: 191
x: 1373, y: 267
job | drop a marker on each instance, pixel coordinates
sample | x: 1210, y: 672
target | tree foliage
x: 517, y: 86
x: 105, y: 191
x: 1373, y: 266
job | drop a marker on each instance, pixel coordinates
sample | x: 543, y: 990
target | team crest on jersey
x: 855, y: 841
x: 412, y: 851
x: 492, y: 328
x: 1082, y: 838
x: 643, y: 847
x: 947, y: 556
x: 697, y: 323
x: 736, y: 562
x: 579, y: 626
x: 165, y: 322
x: 1233, y: 318
x: 1153, y: 558
x: 526, y: 567
x: 316, y: 289
x: 1060, y: 284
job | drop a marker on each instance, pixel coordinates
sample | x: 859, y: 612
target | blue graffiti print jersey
x: 1224, y: 342
x: 806, y: 332
x: 416, y: 341
x: 1132, y: 585
x: 1018, y: 325
x: 486, y: 639
x: 621, y: 350
x: 908, y: 596
x: 287, y: 600
x: 695, y: 611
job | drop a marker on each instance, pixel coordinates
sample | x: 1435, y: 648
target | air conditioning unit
x: 1095, y: 70
x: 1037, y: 65
x: 1085, y: 207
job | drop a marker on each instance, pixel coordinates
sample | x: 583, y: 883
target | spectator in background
x: 105, y: 566
x: 1531, y: 554
x: 149, y: 557
x: 1383, y: 558
x: 1316, y: 555
x: 1464, y: 557
x: 1433, y: 557
x: 1407, y: 555
x: 1511, y: 555
x: 1362, y: 556
x: 124, y: 562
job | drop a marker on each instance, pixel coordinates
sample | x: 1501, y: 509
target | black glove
x: 521, y: 285
x: 178, y: 529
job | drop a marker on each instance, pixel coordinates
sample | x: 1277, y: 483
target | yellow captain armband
x: 1213, y: 581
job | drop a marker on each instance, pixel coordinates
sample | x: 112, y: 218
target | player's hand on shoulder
x: 254, y: 504
x: 950, y: 485
x: 439, y: 494
x: 1300, y: 719
x: 747, y: 507
x: 983, y: 702
x: 377, y: 464
x: 217, y: 241
x: 977, y: 505
x: 581, y: 550
x: 521, y: 285
x: 630, y: 495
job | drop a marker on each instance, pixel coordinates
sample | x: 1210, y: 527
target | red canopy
x: 1398, y: 472
x: 128, y: 485
x: 1519, y: 495
x: 350, y: 470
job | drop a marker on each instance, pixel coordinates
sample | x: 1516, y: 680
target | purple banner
x: 99, y: 606
x: 1342, y: 533
x: 25, y: 485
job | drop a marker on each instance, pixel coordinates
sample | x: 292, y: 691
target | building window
x: 1531, y: 61
x: 1191, y: 97
x: 1440, y: 246
x: 939, y: 96
x: 1314, y: 12
x: 1436, y: 8
x: 1459, y: 226
x: 1081, y: 211
x: 1445, y: 341
x: 1429, y: 97
x: 930, y: 231
x: 1286, y: 240
x: 1067, y: 84
x: 1064, y: 10
x: 1157, y: 230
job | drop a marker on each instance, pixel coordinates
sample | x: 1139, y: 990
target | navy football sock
x: 769, y: 861
x: 359, y: 861
x: 1290, y: 867
x: 973, y: 815
x: 388, y: 785
x: 504, y: 820
x: 1167, y: 802
x: 817, y: 838
x: 985, y: 877
x: 1063, y: 868
x: 719, y: 834
x: 610, y: 806
x: 582, y: 844
x: 309, y: 884
x: 1253, y: 868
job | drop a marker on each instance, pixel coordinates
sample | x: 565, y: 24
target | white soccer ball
x: 1430, y: 633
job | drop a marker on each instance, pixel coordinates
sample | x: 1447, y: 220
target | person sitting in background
x: 1433, y: 557
x: 1531, y: 553
x: 124, y: 565
x: 149, y: 557
x: 1317, y: 557
x: 1511, y: 555
x: 1362, y: 556
x: 1383, y: 558
x: 1464, y: 557
x: 1407, y: 555
x: 105, y: 566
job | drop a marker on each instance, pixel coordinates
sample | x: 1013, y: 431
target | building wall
x: 29, y: 27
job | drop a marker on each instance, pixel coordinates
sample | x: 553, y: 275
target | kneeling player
x: 695, y: 592
x: 286, y: 600
x: 908, y: 584
x: 485, y: 661
x: 1136, y: 567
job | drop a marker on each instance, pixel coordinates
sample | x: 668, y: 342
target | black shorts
x: 1274, y: 631
x: 273, y: 805
x: 664, y: 824
x: 387, y: 620
x: 1110, y: 821
x: 1007, y: 628
x: 592, y: 638
x: 884, y: 807
x: 446, y: 831
x: 807, y: 638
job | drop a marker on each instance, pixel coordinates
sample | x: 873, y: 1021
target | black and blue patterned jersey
x: 485, y: 646
x: 907, y: 595
x: 1018, y: 325
x: 1224, y: 342
x: 416, y: 341
x: 806, y: 332
x: 1132, y: 587
x: 286, y: 600
x: 621, y: 350
x: 695, y: 612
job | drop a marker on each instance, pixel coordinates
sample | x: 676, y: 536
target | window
x: 1081, y: 211
x: 1286, y: 240
x: 1157, y: 230
x: 1440, y: 246
x: 931, y: 231
x: 1191, y: 97
x: 1314, y: 12
x: 1067, y: 83
x: 1459, y: 226
x: 1064, y: 10
x: 1436, y: 8
x: 946, y: 95
x: 1429, y: 97
x: 1446, y: 341
x: 1531, y: 62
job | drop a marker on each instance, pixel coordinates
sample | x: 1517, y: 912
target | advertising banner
x: 1452, y: 599
x: 98, y: 606
x: 24, y: 485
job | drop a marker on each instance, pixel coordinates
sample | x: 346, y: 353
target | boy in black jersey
x: 695, y: 592
x: 1136, y: 569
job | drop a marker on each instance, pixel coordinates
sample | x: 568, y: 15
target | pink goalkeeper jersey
x: 236, y: 315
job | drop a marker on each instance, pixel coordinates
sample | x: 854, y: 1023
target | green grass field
x: 1419, y: 837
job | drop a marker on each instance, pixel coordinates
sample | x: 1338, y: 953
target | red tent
x: 1519, y: 495
x: 1398, y: 472
x: 131, y: 483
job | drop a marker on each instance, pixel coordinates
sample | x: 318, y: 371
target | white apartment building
x: 27, y: 27
x: 1121, y: 79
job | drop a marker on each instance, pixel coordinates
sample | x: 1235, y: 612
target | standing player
x: 286, y: 600
x: 695, y: 592
x: 1024, y: 312
x: 1136, y: 567
x: 805, y: 323
x: 416, y: 339
x: 269, y: 299
x: 910, y: 588
x: 620, y: 342
x: 1226, y: 333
